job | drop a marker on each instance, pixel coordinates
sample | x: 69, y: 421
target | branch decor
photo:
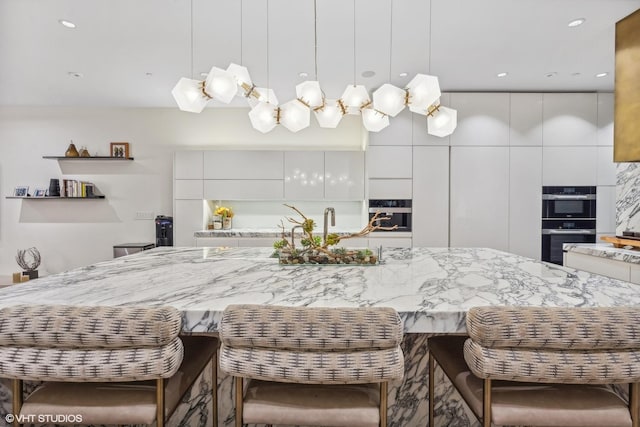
x: 313, y: 250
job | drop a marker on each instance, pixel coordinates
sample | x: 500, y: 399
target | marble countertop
x: 431, y: 288
x: 604, y: 250
x: 276, y: 233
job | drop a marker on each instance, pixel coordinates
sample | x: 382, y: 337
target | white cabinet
x: 569, y: 165
x: 430, y: 215
x: 187, y: 217
x: 479, y: 197
x: 606, y: 173
x: 188, y: 165
x: 569, y: 119
x: 598, y: 265
x: 243, y: 189
x: 605, y: 119
x: 525, y: 201
x: 304, y: 175
x: 606, y: 209
x: 243, y: 164
x: 344, y: 175
x: 398, y: 133
x: 389, y: 162
x: 390, y: 189
x: 483, y: 119
x: 188, y: 189
x: 525, y: 119
x: 230, y: 242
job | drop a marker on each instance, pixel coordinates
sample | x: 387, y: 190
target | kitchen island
x: 431, y: 288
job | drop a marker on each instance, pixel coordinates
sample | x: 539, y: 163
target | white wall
x: 74, y: 233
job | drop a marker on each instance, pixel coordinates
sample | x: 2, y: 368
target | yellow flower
x: 224, y: 212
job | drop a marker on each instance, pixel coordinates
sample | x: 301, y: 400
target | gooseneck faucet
x: 326, y: 225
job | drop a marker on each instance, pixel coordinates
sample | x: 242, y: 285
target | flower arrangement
x: 224, y: 212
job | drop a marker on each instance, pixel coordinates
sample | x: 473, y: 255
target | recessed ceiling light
x: 303, y: 74
x: 551, y: 74
x: 503, y: 74
x: 403, y: 74
x: 576, y: 74
x: 576, y: 22
x: 148, y: 74
x: 602, y: 74
x: 368, y: 73
x: 75, y: 74
x: 66, y: 23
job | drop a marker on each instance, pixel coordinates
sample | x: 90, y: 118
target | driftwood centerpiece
x: 314, y: 250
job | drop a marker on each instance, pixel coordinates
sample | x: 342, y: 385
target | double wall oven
x: 568, y: 216
x: 397, y: 212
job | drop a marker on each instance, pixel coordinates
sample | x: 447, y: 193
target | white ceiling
x: 464, y: 42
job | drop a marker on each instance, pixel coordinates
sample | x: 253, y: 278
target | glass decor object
x: 71, y: 151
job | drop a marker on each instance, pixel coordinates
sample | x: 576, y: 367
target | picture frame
x: 21, y: 191
x: 119, y: 149
x: 40, y: 192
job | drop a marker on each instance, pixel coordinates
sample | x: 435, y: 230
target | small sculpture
x: 72, y: 151
x: 29, y: 261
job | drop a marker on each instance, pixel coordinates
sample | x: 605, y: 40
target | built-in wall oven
x: 568, y: 216
x: 398, y: 212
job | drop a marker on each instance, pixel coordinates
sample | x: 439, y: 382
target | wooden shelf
x: 620, y: 243
x: 86, y: 158
x: 55, y: 198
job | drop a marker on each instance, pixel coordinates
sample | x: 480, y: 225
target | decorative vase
x: 217, y: 222
x: 84, y: 152
x: 226, y: 223
x: 71, y: 151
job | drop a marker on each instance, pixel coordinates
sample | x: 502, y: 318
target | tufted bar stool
x: 107, y: 365
x: 543, y: 366
x: 311, y: 366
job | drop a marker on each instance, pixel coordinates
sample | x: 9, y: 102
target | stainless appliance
x: 397, y: 210
x: 568, y: 216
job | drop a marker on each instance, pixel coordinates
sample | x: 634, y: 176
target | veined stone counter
x: 258, y: 232
x: 604, y: 250
x: 431, y: 288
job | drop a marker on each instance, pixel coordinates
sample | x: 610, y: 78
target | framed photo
x: 40, y: 192
x: 120, y: 149
x: 21, y: 191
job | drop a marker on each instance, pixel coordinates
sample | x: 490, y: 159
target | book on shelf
x: 75, y: 188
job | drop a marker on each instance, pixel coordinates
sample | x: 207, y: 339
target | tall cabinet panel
x: 304, y: 175
x: 187, y: 215
x: 344, y: 175
x: 483, y: 119
x: 525, y: 201
x: 430, y: 196
x: 479, y: 197
x: 570, y: 119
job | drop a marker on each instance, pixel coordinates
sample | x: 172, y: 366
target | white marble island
x: 431, y: 288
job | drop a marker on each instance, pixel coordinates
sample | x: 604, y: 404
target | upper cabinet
x: 389, y: 162
x: 483, y: 119
x: 344, y: 175
x: 188, y: 165
x: 570, y: 119
x: 304, y: 175
x: 243, y: 164
x: 526, y: 119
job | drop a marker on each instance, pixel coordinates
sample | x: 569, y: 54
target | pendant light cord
x: 191, y: 40
x: 390, y: 38
x: 354, y: 42
x: 241, y: 34
x: 315, y: 38
x: 430, y: 32
x: 268, y: 81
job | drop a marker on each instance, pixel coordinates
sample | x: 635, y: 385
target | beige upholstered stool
x: 311, y: 366
x: 544, y: 366
x: 107, y: 365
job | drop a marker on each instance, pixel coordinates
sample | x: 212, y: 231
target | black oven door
x: 559, y: 206
x: 552, y: 241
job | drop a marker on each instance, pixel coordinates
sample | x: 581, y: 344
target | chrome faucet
x: 326, y: 225
x: 293, y: 236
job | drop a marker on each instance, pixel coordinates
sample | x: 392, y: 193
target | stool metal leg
x: 384, y: 390
x: 239, y: 400
x: 486, y: 403
x: 17, y: 399
x: 432, y: 405
x: 160, y: 402
x: 214, y: 387
x: 634, y: 406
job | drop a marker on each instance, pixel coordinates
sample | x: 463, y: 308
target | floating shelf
x: 55, y: 198
x: 86, y: 158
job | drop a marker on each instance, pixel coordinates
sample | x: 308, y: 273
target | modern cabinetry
x: 479, y: 197
x: 570, y: 119
x: 430, y: 213
x: 604, y: 266
x: 187, y: 217
x: 525, y: 119
x: 304, y: 175
x: 247, y: 164
x: 389, y: 169
x: 569, y: 165
x: 344, y: 175
x: 188, y: 165
x: 483, y: 119
x: 525, y: 201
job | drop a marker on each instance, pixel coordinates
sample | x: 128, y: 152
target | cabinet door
x: 188, y: 189
x: 243, y: 164
x: 304, y: 175
x: 525, y: 201
x: 390, y: 188
x: 344, y: 175
x: 605, y: 119
x: 187, y: 218
x: 569, y: 165
x: 430, y: 216
x: 606, y: 174
x: 243, y: 189
x: 389, y: 162
x: 526, y: 119
x: 483, y: 119
x: 569, y: 119
x: 398, y: 133
x: 479, y: 197
x: 187, y: 165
